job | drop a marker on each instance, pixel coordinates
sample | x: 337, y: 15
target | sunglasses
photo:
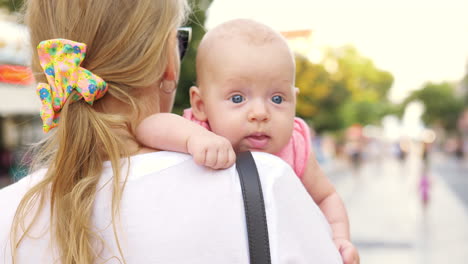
x: 184, y: 35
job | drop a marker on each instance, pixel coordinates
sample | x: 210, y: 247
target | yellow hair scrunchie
x: 60, y: 59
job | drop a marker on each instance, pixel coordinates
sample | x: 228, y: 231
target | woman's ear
x: 173, y: 64
x: 170, y: 74
x: 198, y: 106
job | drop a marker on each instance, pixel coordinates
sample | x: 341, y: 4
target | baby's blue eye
x: 237, y: 99
x: 277, y: 99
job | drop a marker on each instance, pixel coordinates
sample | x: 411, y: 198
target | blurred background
x: 384, y: 87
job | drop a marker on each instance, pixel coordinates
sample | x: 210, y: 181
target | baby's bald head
x: 229, y: 35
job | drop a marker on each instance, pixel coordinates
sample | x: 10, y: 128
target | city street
x: 389, y: 223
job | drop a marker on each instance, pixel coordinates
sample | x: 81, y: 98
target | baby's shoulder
x: 300, y: 126
x: 301, y: 132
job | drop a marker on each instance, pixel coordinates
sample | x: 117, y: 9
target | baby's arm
x: 325, y: 195
x: 167, y: 131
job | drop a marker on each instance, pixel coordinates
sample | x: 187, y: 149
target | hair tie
x: 61, y: 59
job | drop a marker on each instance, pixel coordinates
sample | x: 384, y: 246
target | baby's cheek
x: 238, y: 147
x: 235, y: 141
x: 285, y: 134
x: 227, y: 131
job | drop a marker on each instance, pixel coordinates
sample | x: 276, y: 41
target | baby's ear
x: 296, y: 91
x: 196, y: 101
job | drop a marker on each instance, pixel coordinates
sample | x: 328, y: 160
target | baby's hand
x: 348, y: 252
x: 211, y: 150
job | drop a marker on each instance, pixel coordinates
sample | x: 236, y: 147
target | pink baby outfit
x: 296, y: 153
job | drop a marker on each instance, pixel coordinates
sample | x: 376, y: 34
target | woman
x: 96, y: 195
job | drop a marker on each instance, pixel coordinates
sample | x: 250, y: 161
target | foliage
x: 188, y: 71
x: 12, y: 5
x: 361, y: 112
x: 344, y: 89
x: 442, y: 106
x: 464, y: 87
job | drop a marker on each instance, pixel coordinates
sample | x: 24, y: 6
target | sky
x: 417, y: 41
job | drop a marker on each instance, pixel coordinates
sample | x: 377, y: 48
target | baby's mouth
x: 258, y: 140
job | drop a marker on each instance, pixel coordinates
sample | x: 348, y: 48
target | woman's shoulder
x: 20, y: 187
x: 145, y: 164
x: 156, y: 162
x: 10, y: 197
x: 272, y: 168
x: 268, y: 161
x: 296, y: 233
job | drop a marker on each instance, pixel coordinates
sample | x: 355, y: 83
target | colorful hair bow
x: 61, y: 59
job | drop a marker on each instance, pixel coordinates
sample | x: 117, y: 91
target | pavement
x: 390, y: 224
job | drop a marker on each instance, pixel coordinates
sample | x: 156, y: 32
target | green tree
x: 346, y: 88
x: 359, y: 74
x: 362, y: 112
x: 464, y: 87
x: 318, y: 101
x: 188, y: 72
x: 442, y: 106
x: 12, y: 5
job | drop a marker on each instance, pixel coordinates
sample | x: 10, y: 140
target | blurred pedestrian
x: 459, y: 149
x: 424, y: 180
x: 424, y: 187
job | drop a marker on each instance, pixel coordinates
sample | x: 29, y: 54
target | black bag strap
x: 254, y: 206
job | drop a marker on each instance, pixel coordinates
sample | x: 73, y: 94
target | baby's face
x: 249, y: 95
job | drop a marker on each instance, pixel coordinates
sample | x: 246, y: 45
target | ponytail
x: 84, y: 140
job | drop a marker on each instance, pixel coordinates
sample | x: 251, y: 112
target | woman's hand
x: 211, y: 150
x: 348, y: 251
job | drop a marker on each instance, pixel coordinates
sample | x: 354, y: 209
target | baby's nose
x: 259, y: 112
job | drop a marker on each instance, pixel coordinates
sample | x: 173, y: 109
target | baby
x: 246, y: 98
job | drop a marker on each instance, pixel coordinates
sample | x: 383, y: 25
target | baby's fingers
x: 225, y: 159
x: 221, y: 158
x: 231, y: 158
x: 199, y: 157
x: 211, y: 157
x: 350, y: 255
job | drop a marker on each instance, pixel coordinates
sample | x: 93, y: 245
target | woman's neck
x: 134, y: 148
x: 112, y: 105
x: 144, y: 150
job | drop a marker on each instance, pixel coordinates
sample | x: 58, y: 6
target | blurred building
x: 462, y: 124
x: 299, y: 40
x: 19, y: 108
x: 302, y: 42
x: 463, y: 129
x: 462, y: 87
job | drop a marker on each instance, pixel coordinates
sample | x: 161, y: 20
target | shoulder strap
x: 254, y: 206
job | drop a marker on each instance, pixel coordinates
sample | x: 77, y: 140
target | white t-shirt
x: 174, y: 211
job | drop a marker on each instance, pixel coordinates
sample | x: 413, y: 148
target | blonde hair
x: 128, y: 46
